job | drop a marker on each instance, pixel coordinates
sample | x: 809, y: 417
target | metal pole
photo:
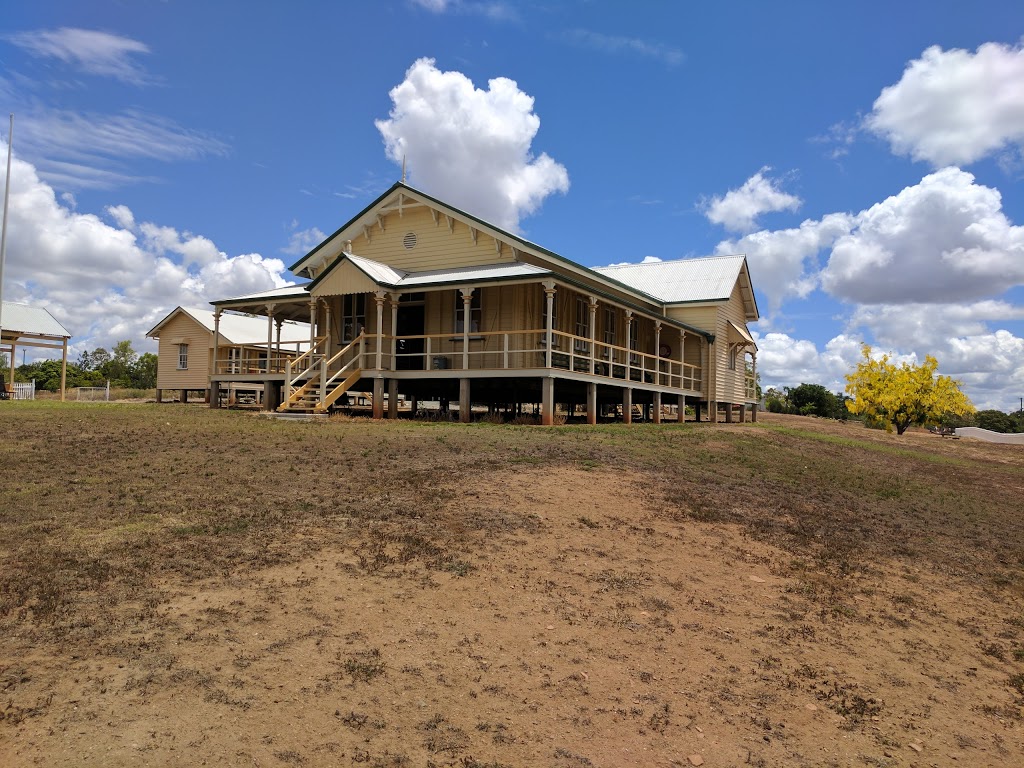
x: 3, y: 236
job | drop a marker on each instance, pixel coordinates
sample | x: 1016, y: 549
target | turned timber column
x: 657, y: 356
x: 549, y: 297
x: 629, y: 345
x: 467, y: 309
x: 214, y: 385
x: 312, y: 327
x: 378, y: 298
x: 593, y: 336
x: 393, y: 299
x: 327, y: 327
x: 277, y: 344
x: 270, y: 335
x: 547, y: 406
x: 591, y: 402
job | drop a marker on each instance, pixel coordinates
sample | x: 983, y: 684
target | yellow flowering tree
x: 903, y: 395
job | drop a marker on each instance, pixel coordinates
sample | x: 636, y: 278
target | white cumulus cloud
x: 469, y: 146
x: 954, y: 107
x: 783, y: 262
x: 738, y: 209
x: 944, y: 239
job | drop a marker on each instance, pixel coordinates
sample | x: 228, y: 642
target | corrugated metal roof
x: 379, y: 273
x: 707, y: 279
x: 22, y: 318
x: 240, y: 329
x: 286, y: 291
x: 506, y: 271
x: 389, y: 277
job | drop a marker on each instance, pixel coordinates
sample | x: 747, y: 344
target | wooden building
x: 415, y: 297
x: 250, y: 345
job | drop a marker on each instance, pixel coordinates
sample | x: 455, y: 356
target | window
x: 353, y: 316
x: 733, y: 354
x: 634, y: 334
x: 582, y: 324
x: 475, y: 312
x: 183, y: 357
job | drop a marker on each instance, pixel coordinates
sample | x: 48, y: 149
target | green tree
x: 903, y: 395
x: 47, y: 375
x: 119, y: 367
x: 98, y: 359
x: 996, y: 421
x: 811, y: 400
x: 775, y: 400
x: 143, y: 375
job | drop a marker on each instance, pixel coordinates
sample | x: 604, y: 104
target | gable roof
x: 238, y: 329
x: 22, y: 318
x: 686, y: 281
x: 333, y: 246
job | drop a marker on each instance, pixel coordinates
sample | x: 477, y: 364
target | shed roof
x: 22, y: 318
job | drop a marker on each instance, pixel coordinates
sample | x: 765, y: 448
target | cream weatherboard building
x: 186, y: 343
x: 414, y: 297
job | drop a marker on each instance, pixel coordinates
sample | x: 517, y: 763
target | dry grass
x: 118, y: 516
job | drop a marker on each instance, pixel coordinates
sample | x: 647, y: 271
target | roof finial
x: 403, y: 169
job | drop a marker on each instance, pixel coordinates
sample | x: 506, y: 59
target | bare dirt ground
x: 186, y: 587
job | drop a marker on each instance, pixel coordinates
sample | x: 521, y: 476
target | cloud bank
x: 111, y: 279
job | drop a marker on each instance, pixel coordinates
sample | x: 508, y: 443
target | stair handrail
x: 341, y: 353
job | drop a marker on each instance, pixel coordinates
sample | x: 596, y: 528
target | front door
x: 410, y: 323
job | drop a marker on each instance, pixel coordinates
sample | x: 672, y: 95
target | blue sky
x: 867, y: 158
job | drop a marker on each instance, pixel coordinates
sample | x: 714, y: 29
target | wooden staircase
x: 319, y: 390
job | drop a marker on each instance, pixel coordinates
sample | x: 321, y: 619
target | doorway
x: 411, y: 322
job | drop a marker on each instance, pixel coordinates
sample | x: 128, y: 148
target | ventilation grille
x: 409, y: 241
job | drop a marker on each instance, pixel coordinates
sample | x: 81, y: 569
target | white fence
x: 24, y: 390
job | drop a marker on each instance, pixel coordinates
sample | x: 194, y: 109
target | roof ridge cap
x: 682, y: 260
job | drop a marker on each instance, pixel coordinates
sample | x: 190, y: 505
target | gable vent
x: 409, y: 241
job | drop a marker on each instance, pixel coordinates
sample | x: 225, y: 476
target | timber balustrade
x: 488, y: 350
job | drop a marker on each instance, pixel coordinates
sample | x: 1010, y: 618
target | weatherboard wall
x: 436, y: 247
x: 183, y: 329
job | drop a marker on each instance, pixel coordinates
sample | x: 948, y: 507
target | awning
x: 738, y: 335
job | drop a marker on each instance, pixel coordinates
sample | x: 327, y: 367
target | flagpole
x: 3, y: 237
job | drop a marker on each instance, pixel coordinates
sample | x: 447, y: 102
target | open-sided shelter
x: 22, y: 325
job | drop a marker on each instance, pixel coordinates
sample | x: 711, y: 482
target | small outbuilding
x: 249, y: 346
x: 22, y: 325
